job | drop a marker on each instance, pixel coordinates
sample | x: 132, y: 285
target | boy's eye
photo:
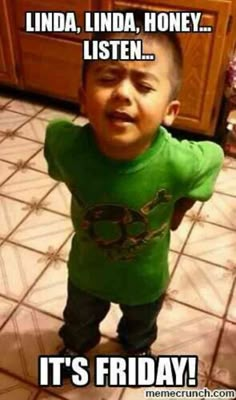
x: 143, y: 88
x: 107, y: 78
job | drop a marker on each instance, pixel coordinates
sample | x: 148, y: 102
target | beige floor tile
x: 224, y: 369
x: 179, y: 236
x: 27, y: 335
x: 183, y: 330
x: 51, y: 113
x: 5, y: 171
x: 81, y: 121
x: 19, y: 268
x: 13, y: 389
x: 24, y: 107
x: 10, y: 121
x: 201, y: 285
x: 226, y: 182
x: 4, y: 100
x: 220, y: 209
x: 212, y: 243
x: 110, y: 322
x: 18, y: 150
x: 34, y: 129
x: 11, y: 213
x: 43, y: 231
x: 6, y: 307
x: 229, y: 162
x: 59, y: 199
x: 38, y: 162
x: 50, y: 292
x: 28, y: 185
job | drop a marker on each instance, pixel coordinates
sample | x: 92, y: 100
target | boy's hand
x: 181, y: 206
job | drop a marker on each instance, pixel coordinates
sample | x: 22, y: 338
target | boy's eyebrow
x: 145, y: 74
x: 136, y: 72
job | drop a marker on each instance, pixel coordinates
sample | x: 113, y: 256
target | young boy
x: 131, y: 182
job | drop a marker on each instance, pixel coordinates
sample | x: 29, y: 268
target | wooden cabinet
x: 55, y: 73
x: 51, y: 63
x: 205, y: 57
x: 7, y: 60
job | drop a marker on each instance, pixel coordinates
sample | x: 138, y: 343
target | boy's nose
x: 123, y: 91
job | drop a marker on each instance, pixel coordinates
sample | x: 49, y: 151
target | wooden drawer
x: 79, y: 7
x: 51, y: 66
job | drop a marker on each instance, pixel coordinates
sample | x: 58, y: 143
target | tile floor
x: 199, y: 313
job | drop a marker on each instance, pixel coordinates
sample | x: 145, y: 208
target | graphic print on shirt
x: 120, y: 231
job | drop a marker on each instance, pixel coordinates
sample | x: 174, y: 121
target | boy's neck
x: 125, y: 153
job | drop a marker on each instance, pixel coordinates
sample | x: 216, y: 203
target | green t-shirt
x: 121, y: 210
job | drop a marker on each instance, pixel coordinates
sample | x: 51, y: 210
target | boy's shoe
x: 66, y: 372
x: 144, y: 352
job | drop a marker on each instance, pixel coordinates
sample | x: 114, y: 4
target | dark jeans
x: 137, y: 329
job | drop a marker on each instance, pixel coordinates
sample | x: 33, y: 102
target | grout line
x: 23, y: 113
x: 32, y: 384
x: 224, y: 384
x: 121, y: 394
x: 19, y: 378
x: 206, y: 261
x: 6, y: 104
x: 226, y: 194
x: 218, y: 225
x: 37, y: 394
x: 34, y: 308
x: 210, y: 313
x: 9, y: 241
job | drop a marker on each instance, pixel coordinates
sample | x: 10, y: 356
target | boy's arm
x: 181, y: 207
x: 51, y: 150
x: 207, y: 158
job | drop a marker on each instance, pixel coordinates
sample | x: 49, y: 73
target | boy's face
x: 126, y: 101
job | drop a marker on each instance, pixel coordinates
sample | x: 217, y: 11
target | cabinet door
x: 78, y: 7
x: 51, y: 66
x: 204, y: 58
x: 7, y: 62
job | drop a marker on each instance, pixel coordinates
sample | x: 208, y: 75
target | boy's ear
x: 81, y: 97
x: 171, y: 112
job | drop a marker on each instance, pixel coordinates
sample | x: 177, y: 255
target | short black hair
x: 169, y: 39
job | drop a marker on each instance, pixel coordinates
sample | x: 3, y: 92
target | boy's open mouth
x: 120, y: 117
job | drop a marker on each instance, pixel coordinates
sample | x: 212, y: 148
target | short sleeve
x: 208, y: 160
x: 51, y: 150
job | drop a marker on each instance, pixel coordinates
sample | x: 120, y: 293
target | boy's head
x: 126, y: 101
